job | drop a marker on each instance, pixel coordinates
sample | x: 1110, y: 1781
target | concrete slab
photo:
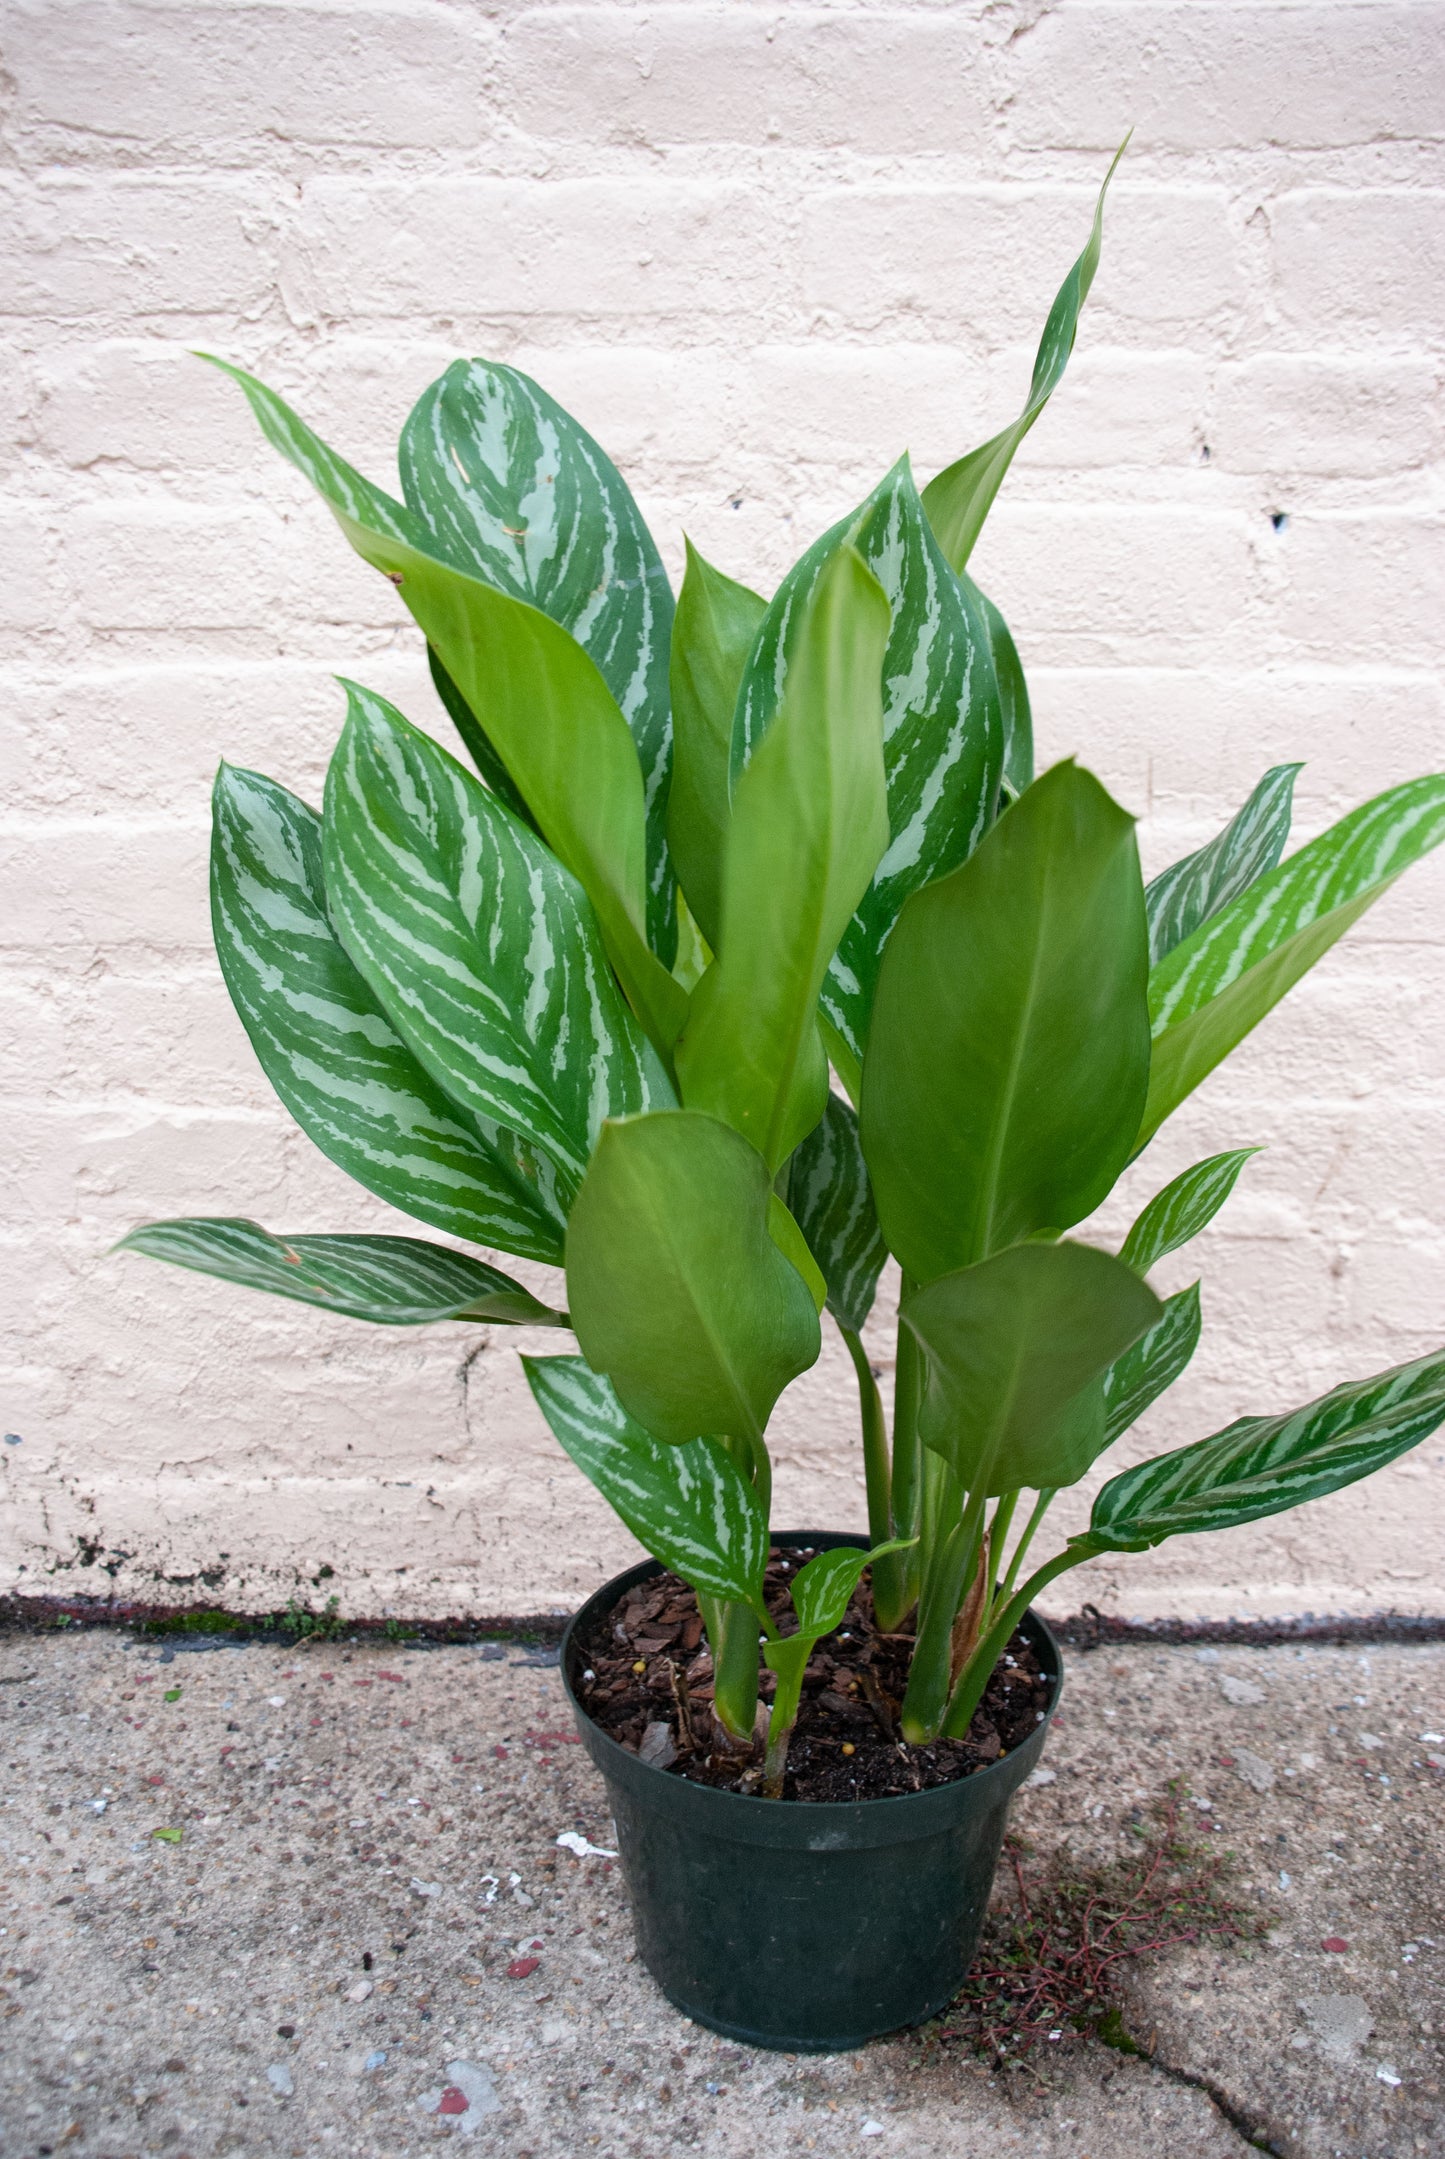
x: 202, y: 1850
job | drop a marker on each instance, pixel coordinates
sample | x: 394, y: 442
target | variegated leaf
x: 509, y: 488
x: 481, y: 947
x: 1183, y: 1209
x: 832, y: 1201
x: 1207, y: 994
x: 1151, y: 1364
x: 1263, y: 1465
x: 334, y: 1058
x: 688, y: 1505
x: 393, y: 1281
x: 1190, y: 891
x: 959, y: 498
x: 1013, y: 695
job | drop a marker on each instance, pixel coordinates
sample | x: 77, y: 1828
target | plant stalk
x: 949, y: 1573
x: 974, y: 1677
x: 735, y: 1669
x: 1041, y: 1507
x: 896, y: 1577
x: 875, y: 1444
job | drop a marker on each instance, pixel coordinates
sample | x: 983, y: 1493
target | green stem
x: 875, y: 1442
x: 896, y: 1578
x: 949, y: 1573
x: 974, y: 1677
x: 780, y: 1725
x: 1042, y: 1505
x: 735, y: 1669
x: 998, y: 1530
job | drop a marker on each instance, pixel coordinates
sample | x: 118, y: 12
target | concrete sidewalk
x: 293, y: 1903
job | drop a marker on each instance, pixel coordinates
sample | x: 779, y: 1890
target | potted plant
x: 577, y: 999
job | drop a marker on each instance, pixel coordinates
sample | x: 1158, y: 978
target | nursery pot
x: 808, y: 1927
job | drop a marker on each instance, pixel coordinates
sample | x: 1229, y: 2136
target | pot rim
x: 605, y: 1750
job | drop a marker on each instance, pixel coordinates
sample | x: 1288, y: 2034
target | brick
x: 1318, y: 415
x: 147, y: 404
x: 990, y: 259
x: 473, y: 249
x: 31, y: 597
x: 1369, y: 263
x: 1380, y: 572
x: 220, y: 78
x: 132, y: 246
x: 799, y: 78
x: 101, y: 883
x: 1218, y: 78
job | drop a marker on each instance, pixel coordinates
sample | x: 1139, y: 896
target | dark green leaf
x: 1263, y: 1465
x: 480, y: 946
x: 1189, y: 892
x: 1151, y: 1364
x: 1013, y: 695
x: 394, y: 1281
x: 481, y: 752
x: 1009, y: 1053
x: 689, y: 1505
x: 677, y: 1290
x: 712, y: 634
x: 959, y: 499
x: 1207, y: 994
x: 1183, y: 1209
x: 510, y: 489
x: 832, y: 1200
x: 334, y: 1058
x: 1016, y: 1349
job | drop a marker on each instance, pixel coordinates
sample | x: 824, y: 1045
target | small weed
x: 308, y: 1626
x: 1051, y: 1965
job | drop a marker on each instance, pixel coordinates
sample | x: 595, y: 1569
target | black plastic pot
x: 799, y: 1926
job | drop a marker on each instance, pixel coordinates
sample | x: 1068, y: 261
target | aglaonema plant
x: 744, y: 950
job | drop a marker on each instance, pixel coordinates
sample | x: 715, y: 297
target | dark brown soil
x: 644, y: 1675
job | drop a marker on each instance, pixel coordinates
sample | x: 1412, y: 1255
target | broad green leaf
x: 1263, y: 1465
x: 1151, y: 1364
x: 481, y: 947
x: 510, y: 489
x: 832, y: 1200
x: 942, y: 729
x: 1013, y: 695
x: 481, y: 752
x: 790, y: 1241
x: 332, y: 1055
x: 959, y: 498
x: 395, y: 1281
x: 689, y: 1505
x: 1183, y: 1209
x: 1016, y: 1348
x: 1009, y: 1052
x: 676, y: 1288
x: 712, y: 634
x: 1192, y: 890
x: 1207, y: 994
x: 809, y: 823
x: 535, y: 694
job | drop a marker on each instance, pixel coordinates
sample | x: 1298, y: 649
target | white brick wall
x: 759, y: 250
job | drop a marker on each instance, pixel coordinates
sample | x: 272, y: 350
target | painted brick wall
x: 758, y: 250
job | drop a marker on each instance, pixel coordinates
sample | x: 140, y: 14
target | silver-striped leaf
x: 832, y: 1202
x: 688, y: 1505
x: 332, y: 1055
x: 1151, y: 1364
x: 1263, y: 1465
x: 1184, y: 1207
x: 510, y: 488
x: 392, y: 1281
x: 1192, y: 890
x: 1013, y: 695
x: 481, y: 947
x: 1206, y: 995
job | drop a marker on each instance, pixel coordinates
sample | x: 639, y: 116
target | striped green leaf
x: 1190, y: 891
x: 393, y: 1281
x: 1016, y: 1349
x: 1263, y: 1465
x: 959, y: 498
x: 677, y: 1290
x: 1013, y: 695
x: 713, y: 632
x: 1207, y: 994
x: 832, y: 1201
x: 535, y: 694
x: 821, y: 1590
x: 1009, y: 1051
x: 1184, y: 1207
x: 809, y: 823
x: 688, y: 1505
x: 510, y: 489
x: 332, y: 1055
x: 1151, y: 1364
x: 480, y: 946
